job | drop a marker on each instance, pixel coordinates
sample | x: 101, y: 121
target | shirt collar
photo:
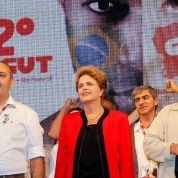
x: 11, y: 102
x: 137, y: 126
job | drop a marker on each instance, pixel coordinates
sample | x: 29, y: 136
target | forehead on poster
x: 107, y: 38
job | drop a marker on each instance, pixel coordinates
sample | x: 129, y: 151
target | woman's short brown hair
x: 93, y: 72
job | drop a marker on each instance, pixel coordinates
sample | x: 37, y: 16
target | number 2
x: 5, y: 36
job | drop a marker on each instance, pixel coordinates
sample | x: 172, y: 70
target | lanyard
x: 4, y: 108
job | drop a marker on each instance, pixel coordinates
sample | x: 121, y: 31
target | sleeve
x: 34, y: 135
x: 155, y: 146
x: 61, y: 162
x: 126, y: 158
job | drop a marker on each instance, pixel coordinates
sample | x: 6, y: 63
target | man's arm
x: 155, y: 145
x: 56, y: 124
x: 37, y: 167
x: 172, y: 87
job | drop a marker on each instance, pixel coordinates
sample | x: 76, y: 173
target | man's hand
x: 171, y: 86
x: 174, y: 149
x: 70, y: 104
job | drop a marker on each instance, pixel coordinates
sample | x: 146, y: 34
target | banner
x: 109, y: 39
x: 160, y: 47
x: 33, y: 42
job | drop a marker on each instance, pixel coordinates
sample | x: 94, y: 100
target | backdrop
x: 45, y: 41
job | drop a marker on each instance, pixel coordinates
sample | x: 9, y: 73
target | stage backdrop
x: 160, y: 46
x: 46, y: 41
x: 33, y: 41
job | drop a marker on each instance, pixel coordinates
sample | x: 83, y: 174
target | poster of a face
x: 160, y: 46
x: 107, y: 34
x: 45, y: 42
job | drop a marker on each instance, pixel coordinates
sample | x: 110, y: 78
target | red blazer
x: 117, y: 145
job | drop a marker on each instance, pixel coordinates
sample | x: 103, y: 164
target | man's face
x: 111, y: 45
x: 6, y: 81
x: 145, y: 103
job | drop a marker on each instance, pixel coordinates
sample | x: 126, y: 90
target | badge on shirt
x: 6, y: 118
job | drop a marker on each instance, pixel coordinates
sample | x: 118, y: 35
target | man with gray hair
x: 146, y: 101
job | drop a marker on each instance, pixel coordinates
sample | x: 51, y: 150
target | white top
x: 52, y: 161
x: 20, y: 137
x: 144, y: 164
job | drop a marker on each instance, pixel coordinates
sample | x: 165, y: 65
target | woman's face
x: 88, y: 89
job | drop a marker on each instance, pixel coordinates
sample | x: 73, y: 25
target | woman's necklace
x: 94, y: 119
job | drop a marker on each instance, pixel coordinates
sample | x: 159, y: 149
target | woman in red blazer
x: 95, y: 142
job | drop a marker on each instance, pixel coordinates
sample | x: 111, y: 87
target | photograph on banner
x: 34, y: 43
x: 160, y: 46
x: 101, y: 34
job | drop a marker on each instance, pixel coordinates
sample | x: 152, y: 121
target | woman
x: 95, y: 142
